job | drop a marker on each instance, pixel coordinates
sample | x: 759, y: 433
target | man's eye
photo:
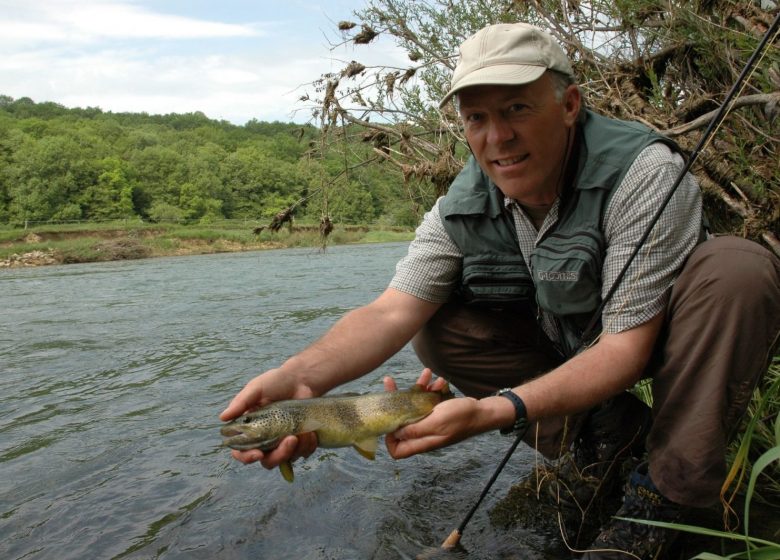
x: 516, y: 108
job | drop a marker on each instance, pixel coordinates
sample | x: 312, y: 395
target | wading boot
x: 586, y: 487
x: 614, y: 431
x: 624, y: 540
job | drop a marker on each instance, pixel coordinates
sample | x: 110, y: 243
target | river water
x: 111, y: 379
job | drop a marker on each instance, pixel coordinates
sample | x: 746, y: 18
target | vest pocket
x: 496, y: 278
x: 567, y: 272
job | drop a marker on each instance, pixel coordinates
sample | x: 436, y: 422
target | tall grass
x: 759, y: 437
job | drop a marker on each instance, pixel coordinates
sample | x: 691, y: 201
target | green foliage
x: 60, y: 164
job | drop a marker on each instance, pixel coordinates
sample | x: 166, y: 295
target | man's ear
x: 572, y: 101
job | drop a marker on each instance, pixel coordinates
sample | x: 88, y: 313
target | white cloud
x: 121, y: 56
x: 80, y: 22
x: 123, y: 20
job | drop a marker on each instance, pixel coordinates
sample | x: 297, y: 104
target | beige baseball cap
x: 506, y: 54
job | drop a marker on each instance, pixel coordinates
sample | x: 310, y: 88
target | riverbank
x: 80, y: 243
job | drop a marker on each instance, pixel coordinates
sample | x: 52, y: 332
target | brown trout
x: 338, y: 420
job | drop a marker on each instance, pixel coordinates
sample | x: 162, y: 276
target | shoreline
x: 26, y: 248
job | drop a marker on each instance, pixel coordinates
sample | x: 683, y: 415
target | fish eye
x: 247, y: 420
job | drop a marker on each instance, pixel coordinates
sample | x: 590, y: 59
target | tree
x: 262, y: 185
x: 111, y: 196
x: 49, y: 174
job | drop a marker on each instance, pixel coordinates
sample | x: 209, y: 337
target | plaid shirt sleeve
x: 644, y: 291
x: 431, y: 268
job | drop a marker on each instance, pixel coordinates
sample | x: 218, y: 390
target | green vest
x: 567, y: 262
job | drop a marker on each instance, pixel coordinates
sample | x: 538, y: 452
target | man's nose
x: 500, y: 131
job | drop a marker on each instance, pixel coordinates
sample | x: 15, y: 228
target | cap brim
x: 507, y: 75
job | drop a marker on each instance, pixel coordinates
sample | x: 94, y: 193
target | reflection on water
x: 113, y: 375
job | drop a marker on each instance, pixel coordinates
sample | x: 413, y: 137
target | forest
x: 61, y: 164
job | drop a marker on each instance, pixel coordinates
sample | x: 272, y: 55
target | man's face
x: 520, y: 135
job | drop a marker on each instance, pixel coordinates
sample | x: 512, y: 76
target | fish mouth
x: 240, y: 446
x: 229, y: 431
x: 235, y: 439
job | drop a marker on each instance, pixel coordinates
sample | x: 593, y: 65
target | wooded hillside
x: 85, y: 164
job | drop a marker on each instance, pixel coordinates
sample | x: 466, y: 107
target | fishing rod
x: 454, y: 537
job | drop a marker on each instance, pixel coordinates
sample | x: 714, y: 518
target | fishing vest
x: 564, y: 277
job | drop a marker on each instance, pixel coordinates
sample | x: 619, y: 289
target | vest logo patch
x: 555, y: 276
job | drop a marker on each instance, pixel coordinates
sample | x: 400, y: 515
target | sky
x: 235, y: 60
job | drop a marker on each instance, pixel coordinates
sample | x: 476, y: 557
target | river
x: 111, y: 379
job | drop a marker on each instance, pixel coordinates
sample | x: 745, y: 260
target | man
x: 507, y: 268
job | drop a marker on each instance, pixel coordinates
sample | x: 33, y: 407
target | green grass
x: 385, y: 236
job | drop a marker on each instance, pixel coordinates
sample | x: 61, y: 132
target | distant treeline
x: 63, y: 164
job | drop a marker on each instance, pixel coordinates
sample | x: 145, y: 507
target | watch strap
x: 521, y: 423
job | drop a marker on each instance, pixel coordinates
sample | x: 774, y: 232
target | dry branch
x: 769, y: 100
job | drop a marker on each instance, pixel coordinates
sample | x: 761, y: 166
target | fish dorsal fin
x: 366, y: 447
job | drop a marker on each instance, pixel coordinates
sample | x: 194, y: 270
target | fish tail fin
x: 287, y: 471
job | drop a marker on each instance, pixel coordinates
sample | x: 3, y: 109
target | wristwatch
x: 521, y: 423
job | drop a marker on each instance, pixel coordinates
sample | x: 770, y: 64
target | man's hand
x: 264, y: 389
x: 450, y: 421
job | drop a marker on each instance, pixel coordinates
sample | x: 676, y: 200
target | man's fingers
x: 438, y: 385
x: 283, y: 452
x: 235, y: 409
x: 425, y: 381
x: 425, y: 377
x: 401, y: 448
x: 247, y: 457
x: 246, y: 398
